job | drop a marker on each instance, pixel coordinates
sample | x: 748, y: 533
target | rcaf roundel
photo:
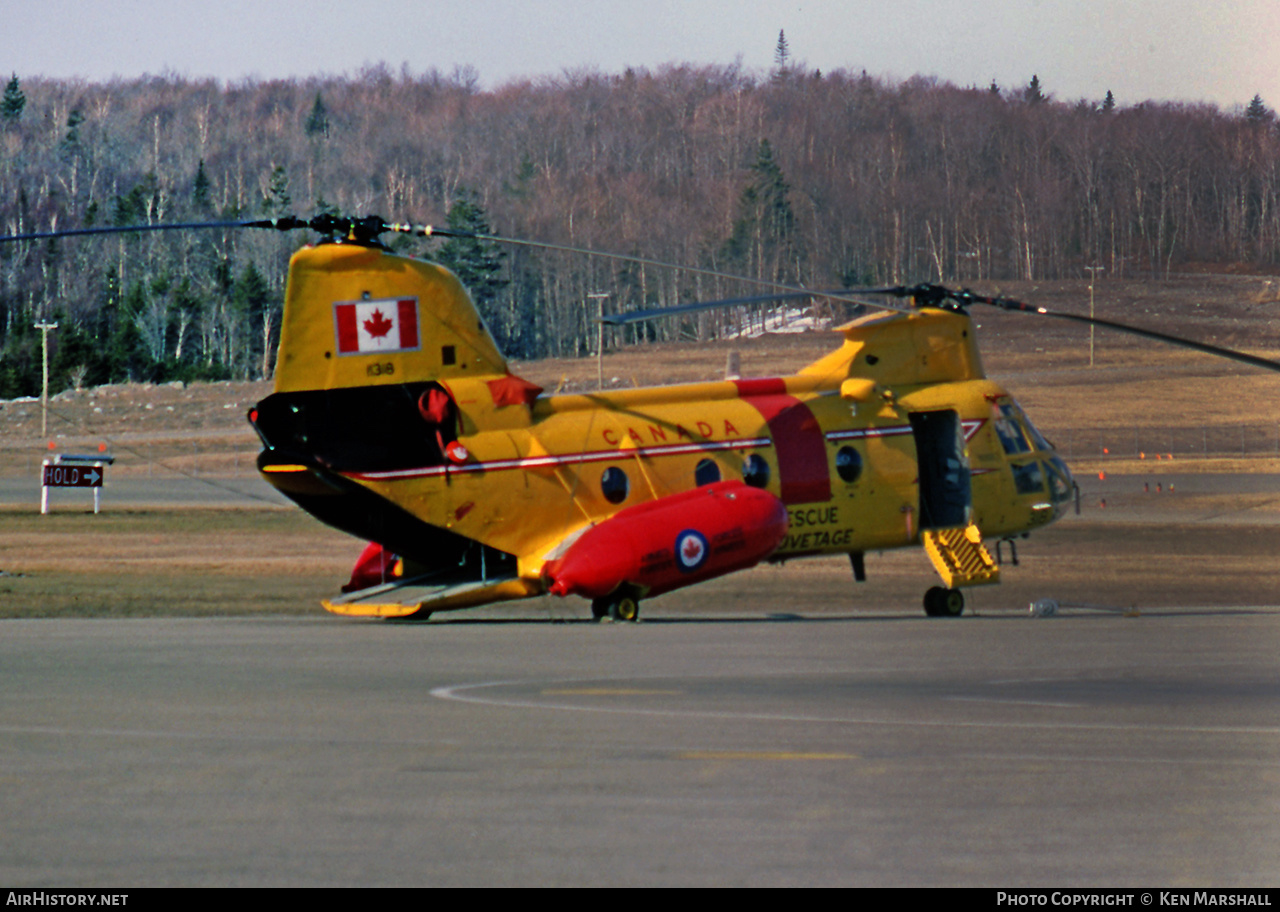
x: 691, y: 550
x: 376, y: 327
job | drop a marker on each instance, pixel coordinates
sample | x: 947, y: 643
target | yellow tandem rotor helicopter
x: 395, y: 418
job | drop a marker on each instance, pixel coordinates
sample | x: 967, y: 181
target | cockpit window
x: 1028, y: 478
x: 1016, y: 432
x: 1011, y: 436
x: 1059, y: 480
x: 1037, y: 439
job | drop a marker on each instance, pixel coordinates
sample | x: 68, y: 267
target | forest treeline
x: 826, y: 179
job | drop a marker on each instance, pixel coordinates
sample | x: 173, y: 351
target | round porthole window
x: 614, y: 485
x: 707, y: 472
x: 755, y: 471
x: 848, y: 464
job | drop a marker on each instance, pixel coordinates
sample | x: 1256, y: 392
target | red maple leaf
x: 692, y: 549
x: 377, y: 325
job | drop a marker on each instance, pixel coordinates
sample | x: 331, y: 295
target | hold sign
x: 72, y: 471
x: 72, y: 476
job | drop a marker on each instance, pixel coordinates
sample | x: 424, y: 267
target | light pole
x: 599, y: 296
x: 44, y: 389
x: 1093, y: 276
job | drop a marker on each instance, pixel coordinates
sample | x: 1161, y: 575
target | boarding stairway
x: 960, y: 557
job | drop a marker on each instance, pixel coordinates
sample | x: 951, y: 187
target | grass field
x: 168, y: 562
x: 149, y: 563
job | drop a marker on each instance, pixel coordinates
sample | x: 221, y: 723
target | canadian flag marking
x: 376, y: 327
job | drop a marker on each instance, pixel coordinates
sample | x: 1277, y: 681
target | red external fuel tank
x: 672, y: 542
x: 374, y: 567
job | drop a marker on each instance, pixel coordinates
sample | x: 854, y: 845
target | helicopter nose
x: 1062, y: 485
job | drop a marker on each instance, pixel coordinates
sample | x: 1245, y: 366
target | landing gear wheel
x: 940, y: 602
x: 623, y: 604
x: 625, y: 607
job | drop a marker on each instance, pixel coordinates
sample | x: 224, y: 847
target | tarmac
x: 781, y: 747
x: 140, y: 491
x: 1087, y: 749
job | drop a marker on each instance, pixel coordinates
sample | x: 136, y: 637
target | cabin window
x: 615, y: 485
x: 755, y: 471
x: 1028, y: 478
x: 448, y: 355
x: 848, y: 464
x: 707, y: 472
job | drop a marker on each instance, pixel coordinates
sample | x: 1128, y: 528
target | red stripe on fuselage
x: 803, y: 473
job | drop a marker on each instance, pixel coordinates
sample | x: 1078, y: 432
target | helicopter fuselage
x: 437, y: 452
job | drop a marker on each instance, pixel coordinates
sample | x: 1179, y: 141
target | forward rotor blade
x: 654, y: 313
x: 1232, y: 354
x: 935, y: 295
x: 843, y: 296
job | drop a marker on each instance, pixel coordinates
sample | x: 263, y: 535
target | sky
x: 1218, y: 51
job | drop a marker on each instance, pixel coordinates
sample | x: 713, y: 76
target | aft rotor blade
x: 368, y: 228
x: 135, y: 229
x: 783, y: 287
x: 432, y: 231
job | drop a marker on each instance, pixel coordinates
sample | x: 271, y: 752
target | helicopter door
x: 440, y: 413
x: 945, y: 496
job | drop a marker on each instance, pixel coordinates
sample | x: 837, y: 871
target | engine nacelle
x: 672, y: 542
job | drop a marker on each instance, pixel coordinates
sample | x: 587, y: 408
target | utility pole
x: 1093, y: 276
x: 44, y: 389
x: 599, y: 296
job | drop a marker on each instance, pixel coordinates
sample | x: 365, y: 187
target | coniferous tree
x: 71, y: 141
x: 317, y: 124
x: 1257, y: 112
x: 200, y: 189
x: 781, y: 52
x: 14, y: 100
x: 277, y: 200
x: 126, y: 352
x: 251, y: 302
x: 762, y: 234
x: 1108, y: 103
x: 520, y: 187
x: 476, y: 263
x: 324, y: 207
x: 1033, y: 93
x: 77, y: 360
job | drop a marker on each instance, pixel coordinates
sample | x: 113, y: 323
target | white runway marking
x: 1011, y: 702
x: 135, y: 733
x: 459, y: 693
